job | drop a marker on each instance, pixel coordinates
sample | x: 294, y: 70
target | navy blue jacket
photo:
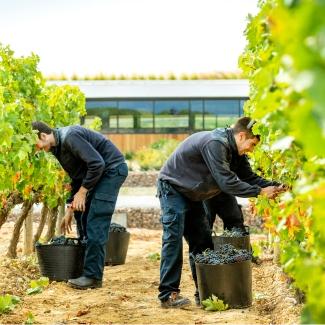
x: 85, y: 155
x: 207, y: 163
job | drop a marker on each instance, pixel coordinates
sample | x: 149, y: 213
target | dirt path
x: 129, y: 294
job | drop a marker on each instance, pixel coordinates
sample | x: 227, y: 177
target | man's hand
x: 79, y: 199
x: 66, y: 221
x: 270, y: 192
x: 282, y: 188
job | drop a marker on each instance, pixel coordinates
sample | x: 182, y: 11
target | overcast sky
x: 127, y: 36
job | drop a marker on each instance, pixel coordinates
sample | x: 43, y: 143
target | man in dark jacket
x: 97, y: 170
x: 202, y: 177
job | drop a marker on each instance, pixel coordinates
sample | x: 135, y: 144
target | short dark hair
x: 245, y: 124
x: 41, y: 127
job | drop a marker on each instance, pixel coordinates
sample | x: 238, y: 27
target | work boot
x: 175, y: 301
x: 197, y: 300
x: 84, y: 282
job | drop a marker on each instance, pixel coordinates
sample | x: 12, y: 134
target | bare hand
x: 79, y: 199
x: 282, y: 188
x: 66, y: 226
x: 270, y: 192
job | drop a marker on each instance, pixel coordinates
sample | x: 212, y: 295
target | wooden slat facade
x: 134, y: 142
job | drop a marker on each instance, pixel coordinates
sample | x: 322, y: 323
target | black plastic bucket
x: 61, y: 262
x: 242, y: 242
x: 230, y: 282
x: 238, y: 242
x: 116, y: 248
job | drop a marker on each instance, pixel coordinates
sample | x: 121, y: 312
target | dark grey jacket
x: 207, y: 163
x: 85, y: 155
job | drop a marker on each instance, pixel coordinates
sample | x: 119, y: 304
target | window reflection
x: 106, y: 110
x: 135, y: 114
x: 196, y: 116
x: 171, y: 114
x: 220, y: 113
x: 163, y: 116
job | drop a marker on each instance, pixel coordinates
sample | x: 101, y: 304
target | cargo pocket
x: 170, y: 225
x: 104, y: 204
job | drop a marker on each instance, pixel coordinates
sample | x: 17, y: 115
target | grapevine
x: 284, y: 62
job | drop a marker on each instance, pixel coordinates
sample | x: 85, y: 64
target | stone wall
x: 141, y: 179
x: 150, y: 218
x: 141, y: 217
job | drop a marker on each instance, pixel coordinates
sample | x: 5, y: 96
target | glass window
x: 164, y: 115
x: 105, y: 109
x: 220, y: 113
x: 171, y: 114
x: 196, y: 116
x: 241, y: 104
x: 135, y: 114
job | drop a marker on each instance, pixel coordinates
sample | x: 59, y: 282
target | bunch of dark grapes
x: 115, y: 227
x: 224, y: 254
x: 235, y: 232
x: 61, y: 240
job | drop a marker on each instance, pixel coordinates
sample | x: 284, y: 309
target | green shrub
x: 159, y: 144
x: 154, y: 157
x: 129, y: 155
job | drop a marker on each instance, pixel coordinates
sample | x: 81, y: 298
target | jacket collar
x: 57, y: 138
x: 232, y: 141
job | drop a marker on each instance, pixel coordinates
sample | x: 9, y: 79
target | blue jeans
x: 93, y: 225
x: 180, y: 217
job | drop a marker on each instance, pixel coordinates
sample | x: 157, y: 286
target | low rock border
x: 141, y: 179
x: 150, y: 218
